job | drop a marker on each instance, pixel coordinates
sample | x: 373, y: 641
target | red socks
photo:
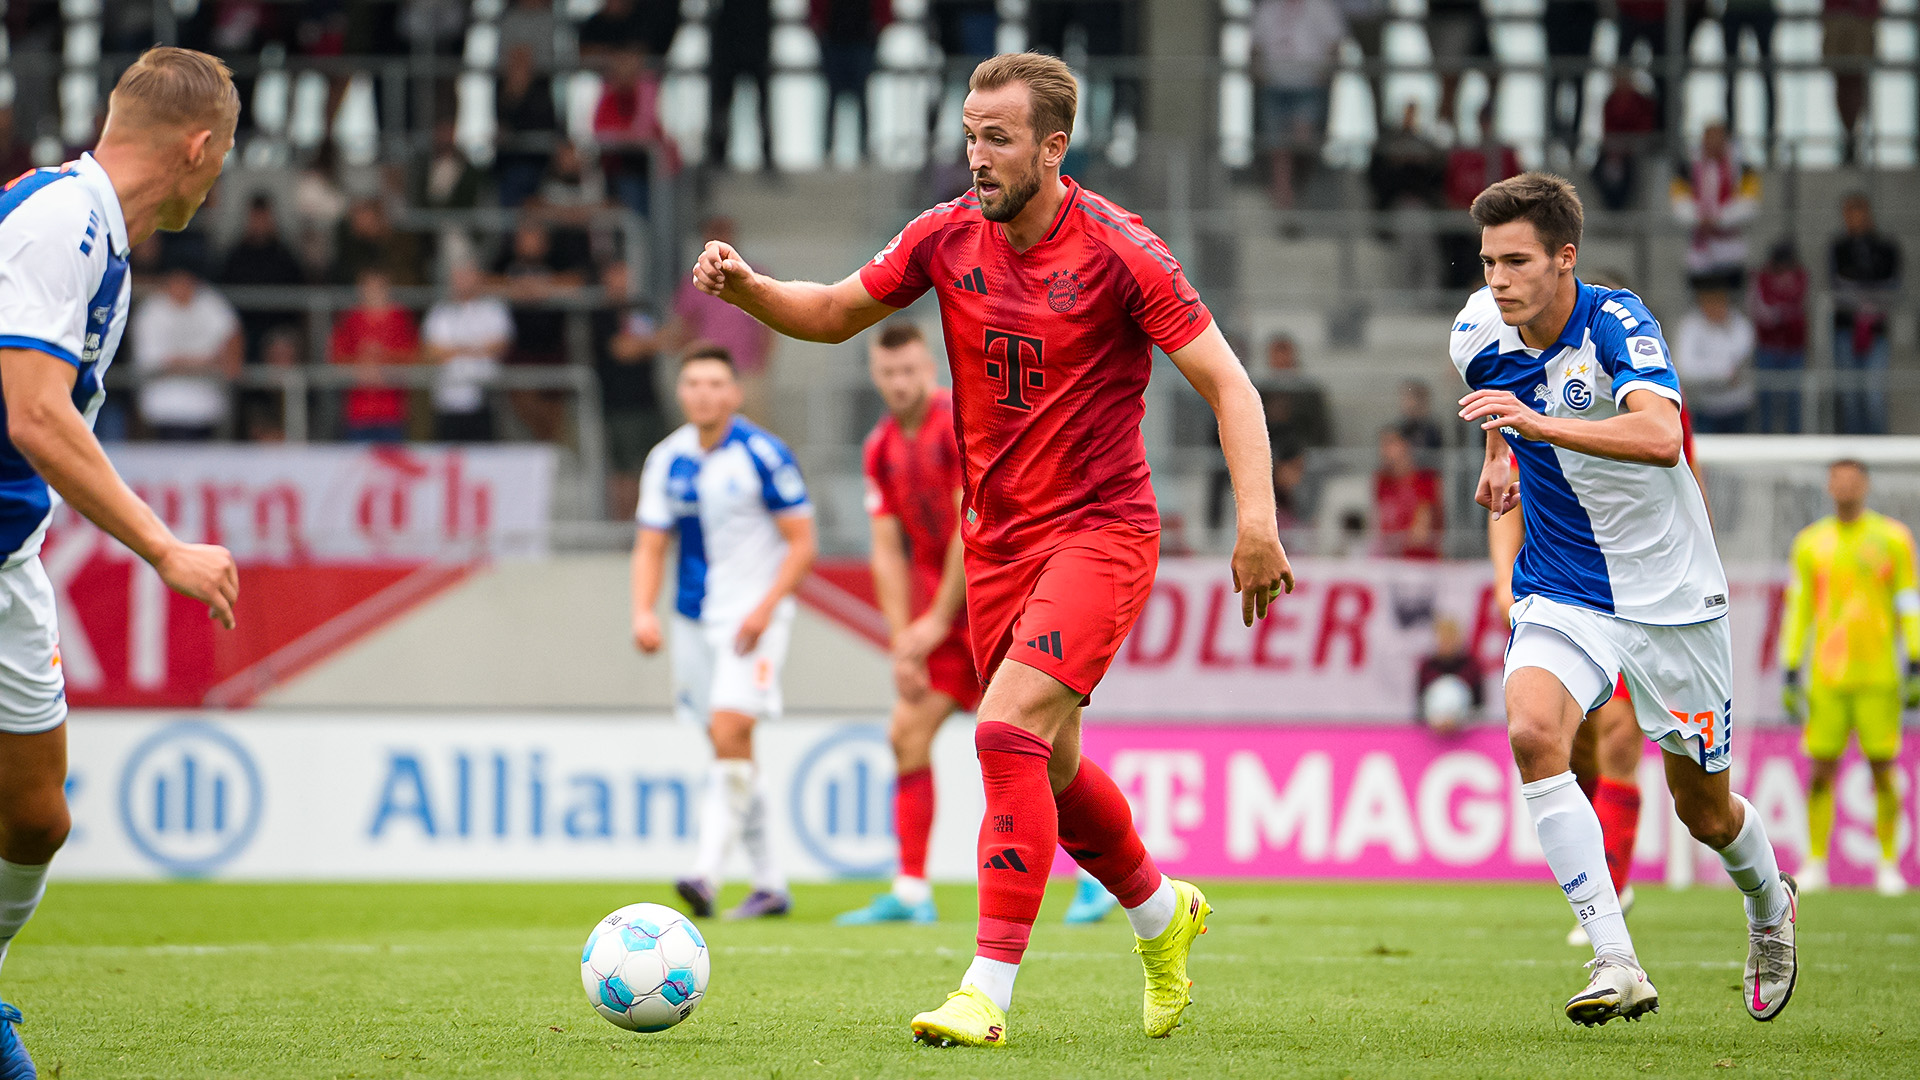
x: 1096, y: 828
x: 1618, y: 807
x: 913, y: 820
x: 1017, y: 836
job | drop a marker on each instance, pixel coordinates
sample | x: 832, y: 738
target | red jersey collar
x: 1059, y: 218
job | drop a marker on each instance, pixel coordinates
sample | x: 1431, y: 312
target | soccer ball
x: 644, y: 967
x: 1447, y: 703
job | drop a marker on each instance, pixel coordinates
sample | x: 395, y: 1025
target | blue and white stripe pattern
x: 1615, y: 537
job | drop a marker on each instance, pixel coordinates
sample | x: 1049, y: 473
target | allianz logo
x: 190, y: 798
x: 842, y: 802
x: 470, y: 794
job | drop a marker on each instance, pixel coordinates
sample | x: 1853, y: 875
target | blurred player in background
x: 1617, y: 576
x: 1051, y: 299
x: 64, y: 238
x: 912, y: 466
x: 732, y: 497
x: 1853, y: 582
x: 1607, y: 748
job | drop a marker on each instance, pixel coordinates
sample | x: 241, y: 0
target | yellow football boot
x: 1165, y: 959
x: 969, y: 1018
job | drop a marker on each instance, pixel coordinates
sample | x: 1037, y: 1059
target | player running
x: 64, y: 237
x: 1607, y: 747
x: 1853, y: 580
x: 1618, y: 576
x: 732, y: 496
x: 1051, y: 299
x: 913, y: 497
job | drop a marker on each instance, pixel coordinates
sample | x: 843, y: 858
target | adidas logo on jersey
x: 1008, y: 859
x: 972, y: 281
x: 1048, y: 643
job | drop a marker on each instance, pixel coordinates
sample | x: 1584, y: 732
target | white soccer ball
x: 1447, y: 702
x: 644, y: 967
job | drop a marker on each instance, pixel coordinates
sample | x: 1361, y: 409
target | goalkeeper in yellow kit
x: 1853, y: 579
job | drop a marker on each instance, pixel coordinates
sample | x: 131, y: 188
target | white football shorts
x: 1680, y: 677
x: 709, y: 674
x: 33, y: 691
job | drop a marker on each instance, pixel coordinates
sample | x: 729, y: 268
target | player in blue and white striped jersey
x: 64, y: 238
x: 730, y: 495
x: 1617, y: 576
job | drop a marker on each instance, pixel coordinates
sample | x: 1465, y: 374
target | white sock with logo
x: 1155, y: 913
x: 1569, y: 833
x: 21, y: 887
x: 1750, y: 863
x: 754, y: 828
x: 912, y: 890
x: 723, y: 810
x: 994, y: 978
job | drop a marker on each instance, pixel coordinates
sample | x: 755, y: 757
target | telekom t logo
x: 1015, y: 359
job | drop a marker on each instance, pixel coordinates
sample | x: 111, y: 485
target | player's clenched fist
x: 721, y: 272
x: 203, y: 572
x: 646, y: 632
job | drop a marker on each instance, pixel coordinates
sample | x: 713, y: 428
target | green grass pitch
x: 189, y: 980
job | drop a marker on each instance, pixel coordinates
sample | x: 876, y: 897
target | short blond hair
x: 1054, y: 94
x: 177, y: 88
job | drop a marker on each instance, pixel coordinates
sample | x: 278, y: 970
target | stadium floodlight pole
x: 1052, y: 299
x: 64, y: 239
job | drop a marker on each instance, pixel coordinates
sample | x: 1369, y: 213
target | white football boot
x: 1578, y: 935
x: 1888, y: 881
x: 1773, y: 964
x: 1618, y: 989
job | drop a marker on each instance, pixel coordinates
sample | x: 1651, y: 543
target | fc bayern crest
x: 1063, y: 290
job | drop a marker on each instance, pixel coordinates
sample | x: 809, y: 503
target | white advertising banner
x: 298, y: 504
x: 538, y: 796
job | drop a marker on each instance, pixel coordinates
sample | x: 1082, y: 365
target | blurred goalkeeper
x: 1853, y: 579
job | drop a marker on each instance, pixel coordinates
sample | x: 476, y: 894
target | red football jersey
x: 912, y: 478
x: 1051, y: 349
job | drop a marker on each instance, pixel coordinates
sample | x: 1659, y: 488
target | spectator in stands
x: 1777, y: 304
x: 1408, y: 177
x: 1295, y: 403
x: 263, y: 413
x: 1406, y: 502
x: 1569, y: 25
x: 1451, y: 659
x: 1646, y: 21
x: 1294, y: 43
x: 569, y: 198
x: 447, y: 179
x: 368, y: 241
x: 529, y: 23
x: 1366, y: 22
x: 625, y: 25
x: 1471, y: 168
x: 626, y: 345
x: 526, y: 126
x: 1847, y: 43
x: 1416, y: 423
x: 700, y: 317
x: 319, y: 205
x: 467, y: 334
x: 1713, y: 355
x: 187, y: 342
x: 373, y: 336
x: 1739, y: 17
x: 742, y: 36
x: 1629, y: 121
x: 534, y: 272
x: 1457, y: 31
x: 849, y: 33
x: 1716, y: 196
x: 1865, y: 274
x: 626, y: 124
x: 261, y: 257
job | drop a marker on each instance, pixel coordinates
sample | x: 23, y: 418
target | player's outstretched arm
x: 53, y: 436
x: 1260, y: 567
x: 799, y: 309
x: 1648, y: 433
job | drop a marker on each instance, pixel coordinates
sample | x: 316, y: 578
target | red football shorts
x: 950, y: 671
x: 1065, y: 610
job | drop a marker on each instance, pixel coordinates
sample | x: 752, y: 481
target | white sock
x: 1569, y: 833
x: 912, y: 890
x: 1750, y: 863
x: 755, y: 838
x: 1151, y: 917
x: 994, y: 978
x: 722, y: 811
x: 21, y: 887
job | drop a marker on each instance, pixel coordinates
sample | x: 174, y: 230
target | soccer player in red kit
x: 913, y: 497
x: 1051, y: 300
